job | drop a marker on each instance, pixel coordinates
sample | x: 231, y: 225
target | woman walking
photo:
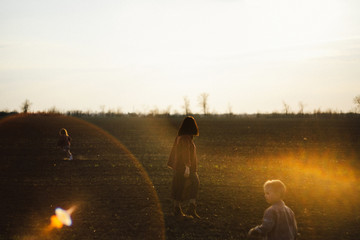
x: 184, y: 163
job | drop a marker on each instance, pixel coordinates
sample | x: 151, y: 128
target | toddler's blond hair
x: 277, y: 186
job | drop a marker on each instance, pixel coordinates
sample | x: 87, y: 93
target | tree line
x: 203, y: 103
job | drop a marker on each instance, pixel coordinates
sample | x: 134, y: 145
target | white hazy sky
x: 138, y: 54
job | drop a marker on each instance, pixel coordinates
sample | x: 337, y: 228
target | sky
x: 135, y: 56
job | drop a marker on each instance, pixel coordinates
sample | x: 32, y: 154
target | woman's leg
x: 176, y: 192
x: 195, y: 182
x: 177, y: 187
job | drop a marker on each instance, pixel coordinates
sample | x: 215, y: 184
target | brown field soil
x: 112, y: 195
x: 318, y: 160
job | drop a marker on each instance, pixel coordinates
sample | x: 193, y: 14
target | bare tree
x: 286, y: 108
x: 102, y: 109
x: 357, y: 102
x: 301, y: 108
x: 230, y: 112
x: 53, y: 110
x: 186, y: 105
x: 166, y: 111
x: 110, y: 112
x: 25, y: 107
x: 118, y: 111
x: 154, y: 111
x: 203, y: 102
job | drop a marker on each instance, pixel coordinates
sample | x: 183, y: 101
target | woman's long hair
x: 188, y: 127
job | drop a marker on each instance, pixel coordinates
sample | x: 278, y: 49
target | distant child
x: 279, y: 220
x: 64, y: 142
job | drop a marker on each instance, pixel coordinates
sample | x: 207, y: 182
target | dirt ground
x: 318, y: 160
x: 113, y: 197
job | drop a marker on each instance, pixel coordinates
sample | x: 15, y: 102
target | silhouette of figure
x: 64, y: 142
x: 184, y: 163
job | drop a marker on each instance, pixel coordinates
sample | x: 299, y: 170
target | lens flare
x: 55, y: 222
x: 62, y: 217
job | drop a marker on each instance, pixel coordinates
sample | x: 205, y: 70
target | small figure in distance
x: 184, y: 163
x: 64, y: 142
x: 279, y: 220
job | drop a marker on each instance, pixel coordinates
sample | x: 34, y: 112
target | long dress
x: 183, y: 154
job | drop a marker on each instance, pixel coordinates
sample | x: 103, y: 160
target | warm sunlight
x: 317, y: 177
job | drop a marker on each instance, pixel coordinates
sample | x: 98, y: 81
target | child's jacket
x: 278, y: 223
x: 64, y: 141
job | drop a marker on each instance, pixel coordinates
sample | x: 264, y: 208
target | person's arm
x: 187, y: 172
x: 266, y: 226
x: 172, y: 160
x: 296, y: 234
